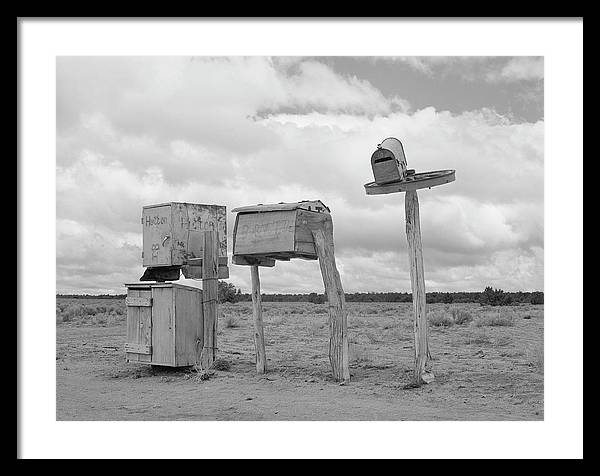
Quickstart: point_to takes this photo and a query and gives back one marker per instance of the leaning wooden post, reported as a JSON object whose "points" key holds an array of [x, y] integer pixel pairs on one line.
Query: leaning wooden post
{"points": [[422, 373], [259, 334], [210, 292], [338, 320]]}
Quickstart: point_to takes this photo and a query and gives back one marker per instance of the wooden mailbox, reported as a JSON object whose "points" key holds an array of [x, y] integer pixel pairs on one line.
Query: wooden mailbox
{"points": [[173, 237], [164, 324], [278, 231], [264, 234]]}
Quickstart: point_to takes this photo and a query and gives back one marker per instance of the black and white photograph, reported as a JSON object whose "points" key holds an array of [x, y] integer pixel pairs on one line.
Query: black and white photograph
{"points": [[266, 236]]}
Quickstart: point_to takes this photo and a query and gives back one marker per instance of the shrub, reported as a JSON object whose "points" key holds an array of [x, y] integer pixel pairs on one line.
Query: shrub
{"points": [[227, 292], [229, 321], [440, 319], [537, 297], [221, 364], [494, 297], [479, 339], [460, 316], [495, 319]]}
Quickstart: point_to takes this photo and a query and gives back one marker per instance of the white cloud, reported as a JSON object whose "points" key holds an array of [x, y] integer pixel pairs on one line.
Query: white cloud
{"points": [[473, 68], [239, 131], [519, 69]]}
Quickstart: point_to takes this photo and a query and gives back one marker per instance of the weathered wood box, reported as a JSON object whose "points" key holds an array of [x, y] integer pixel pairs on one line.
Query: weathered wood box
{"points": [[276, 231], [173, 232], [164, 323]]}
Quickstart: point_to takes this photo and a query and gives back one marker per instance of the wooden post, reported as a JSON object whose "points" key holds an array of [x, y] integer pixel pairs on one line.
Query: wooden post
{"points": [[210, 293], [422, 372], [259, 335], [338, 321]]}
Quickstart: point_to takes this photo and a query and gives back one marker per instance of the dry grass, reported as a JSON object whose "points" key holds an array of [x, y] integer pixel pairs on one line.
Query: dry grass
{"points": [[95, 312], [495, 319], [229, 321], [440, 319], [498, 361], [449, 317], [221, 364]]}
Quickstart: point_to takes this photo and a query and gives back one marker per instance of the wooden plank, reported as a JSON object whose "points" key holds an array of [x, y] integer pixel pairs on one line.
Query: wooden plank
{"points": [[265, 233], [138, 348], [133, 323], [163, 313], [195, 272], [304, 242], [259, 335], [180, 229], [156, 235], [422, 371], [139, 324], [188, 325], [198, 261], [417, 181], [313, 205], [210, 293], [253, 261], [138, 301], [322, 230], [206, 218]]}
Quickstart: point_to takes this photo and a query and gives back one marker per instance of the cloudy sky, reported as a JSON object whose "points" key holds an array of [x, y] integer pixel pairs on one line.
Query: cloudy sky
{"points": [[134, 131]]}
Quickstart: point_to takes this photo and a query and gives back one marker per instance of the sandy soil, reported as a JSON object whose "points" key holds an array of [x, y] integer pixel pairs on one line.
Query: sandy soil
{"points": [[482, 372]]}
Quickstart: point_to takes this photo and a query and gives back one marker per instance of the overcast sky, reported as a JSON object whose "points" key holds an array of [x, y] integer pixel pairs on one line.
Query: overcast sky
{"points": [[239, 131]]}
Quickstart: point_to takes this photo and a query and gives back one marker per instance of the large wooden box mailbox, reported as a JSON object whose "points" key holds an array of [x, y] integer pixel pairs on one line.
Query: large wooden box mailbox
{"points": [[173, 232], [164, 323], [276, 231]]}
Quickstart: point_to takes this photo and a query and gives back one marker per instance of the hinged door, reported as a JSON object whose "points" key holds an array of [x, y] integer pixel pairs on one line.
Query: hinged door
{"points": [[138, 347]]}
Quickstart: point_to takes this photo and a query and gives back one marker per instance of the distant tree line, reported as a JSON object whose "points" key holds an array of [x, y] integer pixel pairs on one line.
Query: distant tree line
{"points": [[489, 296]]}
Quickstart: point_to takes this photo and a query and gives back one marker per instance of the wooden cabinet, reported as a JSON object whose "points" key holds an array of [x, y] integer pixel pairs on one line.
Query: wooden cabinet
{"points": [[164, 323]]}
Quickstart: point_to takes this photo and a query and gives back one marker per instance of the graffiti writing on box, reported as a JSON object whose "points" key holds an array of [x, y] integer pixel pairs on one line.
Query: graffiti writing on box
{"points": [[155, 220], [270, 227]]}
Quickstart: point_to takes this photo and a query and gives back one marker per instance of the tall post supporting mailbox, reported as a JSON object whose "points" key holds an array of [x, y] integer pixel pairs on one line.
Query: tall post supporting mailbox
{"points": [[391, 176], [264, 234]]}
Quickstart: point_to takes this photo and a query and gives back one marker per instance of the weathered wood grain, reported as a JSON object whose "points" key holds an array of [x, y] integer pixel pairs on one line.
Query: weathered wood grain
{"points": [[210, 267], [188, 326], [138, 301], [139, 324], [422, 372], [259, 335], [322, 231], [138, 348], [173, 232], [163, 326], [262, 233], [253, 261]]}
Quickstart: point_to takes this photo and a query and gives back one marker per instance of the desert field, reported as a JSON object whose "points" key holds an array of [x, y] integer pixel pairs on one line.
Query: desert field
{"points": [[488, 363]]}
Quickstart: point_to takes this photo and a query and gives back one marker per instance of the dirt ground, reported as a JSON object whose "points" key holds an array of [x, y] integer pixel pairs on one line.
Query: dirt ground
{"points": [[485, 369]]}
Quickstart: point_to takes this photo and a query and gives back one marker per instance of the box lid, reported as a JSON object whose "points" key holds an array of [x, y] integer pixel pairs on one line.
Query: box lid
{"points": [[148, 285], [310, 205]]}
